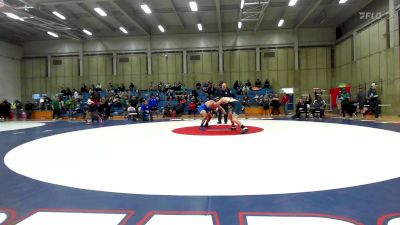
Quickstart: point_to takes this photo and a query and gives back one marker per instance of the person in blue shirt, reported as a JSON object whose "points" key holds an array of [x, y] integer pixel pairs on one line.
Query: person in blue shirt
{"points": [[153, 105], [145, 111]]}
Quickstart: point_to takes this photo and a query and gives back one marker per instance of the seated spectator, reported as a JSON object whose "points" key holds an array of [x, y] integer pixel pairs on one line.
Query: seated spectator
{"points": [[131, 86], [258, 83], [132, 113], [178, 110], [84, 89], [198, 85], [105, 109], [169, 96], [318, 105], [246, 100], [301, 107], [98, 87], [248, 84], [195, 94], [245, 88], [5, 110], [318, 92], [205, 86], [28, 108], [145, 111], [275, 105], [211, 90], [167, 110], [153, 105], [17, 109], [75, 94], [236, 85], [267, 85], [192, 108]]}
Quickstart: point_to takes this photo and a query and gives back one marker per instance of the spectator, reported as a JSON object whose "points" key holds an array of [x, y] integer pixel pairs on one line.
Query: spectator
{"points": [[248, 84], [84, 89], [17, 106], [93, 111], [265, 102], [246, 100], [275, 105], [258, 83], [70, 105], [373, 99], [318, 92], [76, 94], [145, 111], [56, 108], [167, 110], [68, 93], [198, 85], [192, 108], [131, 87], [153, 105], [285, 103], [98, 87], [210, 90], [267, 85], [301, 106], [28, 107], [318, 105], [5, 110], [345, 102], [236, 85], [178, 110]]}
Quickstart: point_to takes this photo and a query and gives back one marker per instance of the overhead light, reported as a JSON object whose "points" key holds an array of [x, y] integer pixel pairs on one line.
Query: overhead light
{"points": [[240, 24], [161, 28], [100, 11], [13, 16], [199, 26], [292, 2], [123, 30], [52, 34], [342, 1], [281, 22], [146, 8], [87, 32], [241, 4], [193, 6], [59, 15]]}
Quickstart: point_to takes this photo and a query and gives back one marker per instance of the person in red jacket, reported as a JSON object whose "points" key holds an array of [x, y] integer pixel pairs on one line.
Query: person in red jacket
{"points": [[285, 103], [192, 108]]}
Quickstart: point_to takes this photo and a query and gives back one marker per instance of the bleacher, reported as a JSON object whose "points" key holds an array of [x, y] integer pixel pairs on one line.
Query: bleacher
{"points": [[120, 111]]}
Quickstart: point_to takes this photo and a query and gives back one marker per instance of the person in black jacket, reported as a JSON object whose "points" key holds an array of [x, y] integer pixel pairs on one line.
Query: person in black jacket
{"points": [[373, 98], [223, 92]]}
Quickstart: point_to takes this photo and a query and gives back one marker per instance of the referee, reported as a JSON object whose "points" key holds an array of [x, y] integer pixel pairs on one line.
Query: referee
{"points": [[223, 91]]}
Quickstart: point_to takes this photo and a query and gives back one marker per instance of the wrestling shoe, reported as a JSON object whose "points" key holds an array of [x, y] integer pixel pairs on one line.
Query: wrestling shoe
{"points": [[202, 128], [233, 128], [244, 130]]}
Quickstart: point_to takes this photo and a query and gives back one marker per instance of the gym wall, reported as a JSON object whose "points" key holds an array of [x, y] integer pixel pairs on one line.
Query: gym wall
{"points": [[373, 61], [10, 71]]}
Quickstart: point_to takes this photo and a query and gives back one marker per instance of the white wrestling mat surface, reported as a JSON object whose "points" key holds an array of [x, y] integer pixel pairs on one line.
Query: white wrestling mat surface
{"points": [[287, 157]]}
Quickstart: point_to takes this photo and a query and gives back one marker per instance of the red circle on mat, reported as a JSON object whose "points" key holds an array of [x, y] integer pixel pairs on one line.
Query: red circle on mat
{"points": [[215, 130]]}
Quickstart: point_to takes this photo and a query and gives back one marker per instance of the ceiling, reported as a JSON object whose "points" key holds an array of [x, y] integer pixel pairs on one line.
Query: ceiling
{"points": [[175, 15]]}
